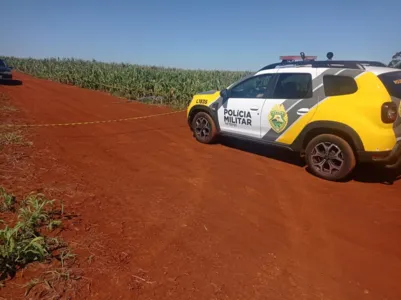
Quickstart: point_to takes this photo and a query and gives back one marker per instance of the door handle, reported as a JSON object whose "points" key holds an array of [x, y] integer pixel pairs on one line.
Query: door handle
{"points": [[302, 111], [254, 108]]}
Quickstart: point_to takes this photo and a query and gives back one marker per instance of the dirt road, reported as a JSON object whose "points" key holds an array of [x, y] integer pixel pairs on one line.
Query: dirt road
{"points": [[180, 220]]}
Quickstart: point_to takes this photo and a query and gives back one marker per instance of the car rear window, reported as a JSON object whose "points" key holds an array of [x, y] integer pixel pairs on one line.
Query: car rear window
{"points": [[337, 85], [392, 82]]}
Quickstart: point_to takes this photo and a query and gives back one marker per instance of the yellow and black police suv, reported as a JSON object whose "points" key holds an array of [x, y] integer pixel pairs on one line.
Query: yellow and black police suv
{"points": [[334, 113]]}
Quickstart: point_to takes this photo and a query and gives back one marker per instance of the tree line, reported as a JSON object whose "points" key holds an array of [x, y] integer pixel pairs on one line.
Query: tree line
{"points": [[395, 61]]}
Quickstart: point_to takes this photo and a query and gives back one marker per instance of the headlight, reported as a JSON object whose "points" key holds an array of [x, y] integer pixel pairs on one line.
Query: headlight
{"points": [[6, 73]]}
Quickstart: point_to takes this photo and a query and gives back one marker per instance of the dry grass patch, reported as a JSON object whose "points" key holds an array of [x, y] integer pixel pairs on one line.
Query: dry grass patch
{"points": [[13, 137], [8, 108], [9, 135]]}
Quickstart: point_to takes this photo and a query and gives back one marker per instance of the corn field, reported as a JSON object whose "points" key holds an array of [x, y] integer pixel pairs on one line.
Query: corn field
{"points": [[156, 85]]}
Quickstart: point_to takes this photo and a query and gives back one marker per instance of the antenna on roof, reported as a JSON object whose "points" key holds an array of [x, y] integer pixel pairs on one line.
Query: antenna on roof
{"points": [[329, 55]]}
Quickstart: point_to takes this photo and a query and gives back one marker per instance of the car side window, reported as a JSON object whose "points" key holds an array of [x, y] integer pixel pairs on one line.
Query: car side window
{"points": [[293, 86], [337, 85], [254, 87]]}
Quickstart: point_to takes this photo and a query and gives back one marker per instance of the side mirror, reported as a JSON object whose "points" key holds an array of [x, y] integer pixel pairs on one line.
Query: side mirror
{"points": [[10, 67], [224, 93]]}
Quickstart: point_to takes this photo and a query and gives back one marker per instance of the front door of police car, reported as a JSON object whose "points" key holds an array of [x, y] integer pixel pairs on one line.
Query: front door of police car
{"points": [[241, 112]]}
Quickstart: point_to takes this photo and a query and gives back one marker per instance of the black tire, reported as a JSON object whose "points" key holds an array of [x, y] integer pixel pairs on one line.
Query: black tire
{"points": [[204, 128], [330, 157]]}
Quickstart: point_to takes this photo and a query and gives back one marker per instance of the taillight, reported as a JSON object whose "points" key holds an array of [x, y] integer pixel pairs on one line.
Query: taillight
{"points": [[389, 112]]}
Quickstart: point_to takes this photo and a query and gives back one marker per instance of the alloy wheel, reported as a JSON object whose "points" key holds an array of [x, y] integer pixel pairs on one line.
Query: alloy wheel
{"points": [[202, 128], [327, 158]]}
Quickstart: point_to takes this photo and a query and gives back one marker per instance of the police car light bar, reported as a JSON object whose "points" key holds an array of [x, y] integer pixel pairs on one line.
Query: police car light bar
{"points": [[296, 57]]}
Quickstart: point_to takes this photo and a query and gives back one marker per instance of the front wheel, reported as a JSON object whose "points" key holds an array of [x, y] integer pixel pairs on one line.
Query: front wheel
{"points": [[330, 157], [204, 128]]}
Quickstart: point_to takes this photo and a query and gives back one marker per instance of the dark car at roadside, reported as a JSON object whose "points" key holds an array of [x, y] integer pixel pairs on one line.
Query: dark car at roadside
{"points": [[5, 71]]}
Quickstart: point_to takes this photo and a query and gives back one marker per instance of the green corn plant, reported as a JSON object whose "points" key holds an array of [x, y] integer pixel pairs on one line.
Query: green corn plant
{"points": [[7, 201], [54, 224], [131, 81], [23, 243], [18, 247], [34, 212]]}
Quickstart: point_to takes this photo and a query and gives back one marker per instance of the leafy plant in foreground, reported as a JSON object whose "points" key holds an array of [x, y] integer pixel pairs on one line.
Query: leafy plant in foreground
{"points": [[23, 243], [19, 247], [7, 201]]}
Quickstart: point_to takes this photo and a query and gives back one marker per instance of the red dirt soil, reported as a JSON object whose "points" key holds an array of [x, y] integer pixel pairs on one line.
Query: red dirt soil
{"points": [[165, 217]]}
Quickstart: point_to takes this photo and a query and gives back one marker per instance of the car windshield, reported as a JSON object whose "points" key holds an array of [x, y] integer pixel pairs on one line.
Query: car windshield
{"points": [[2, 63]]}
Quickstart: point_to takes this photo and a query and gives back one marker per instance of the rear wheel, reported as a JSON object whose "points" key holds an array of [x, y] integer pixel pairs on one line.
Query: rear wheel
{"points": [[204, 128], [330, 157]]}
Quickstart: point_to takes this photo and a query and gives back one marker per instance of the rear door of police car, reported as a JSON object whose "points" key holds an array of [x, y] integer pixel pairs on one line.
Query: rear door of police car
{"points": [[293, 99]]}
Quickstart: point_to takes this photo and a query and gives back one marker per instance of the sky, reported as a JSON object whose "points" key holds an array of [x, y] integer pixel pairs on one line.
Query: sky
{"points": [[207, 34]]}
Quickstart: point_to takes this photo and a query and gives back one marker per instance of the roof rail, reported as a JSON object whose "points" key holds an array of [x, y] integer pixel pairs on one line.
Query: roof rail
{"points": [[372, 63], [338, 64]]}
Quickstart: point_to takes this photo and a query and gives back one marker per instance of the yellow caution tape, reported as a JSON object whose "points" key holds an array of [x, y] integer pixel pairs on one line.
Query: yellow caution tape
{"points": [[91, 122]]}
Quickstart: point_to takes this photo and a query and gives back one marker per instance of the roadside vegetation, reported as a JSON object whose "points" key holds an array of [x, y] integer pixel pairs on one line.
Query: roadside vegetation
{"points": [[28, 235], [30, 226], [155, 85]]}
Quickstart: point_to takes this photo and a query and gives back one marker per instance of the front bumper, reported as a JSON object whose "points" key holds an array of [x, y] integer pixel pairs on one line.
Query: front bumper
{"points": [[390, 159]]}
